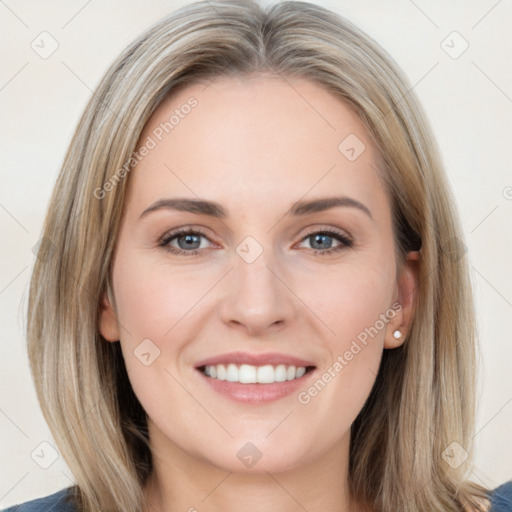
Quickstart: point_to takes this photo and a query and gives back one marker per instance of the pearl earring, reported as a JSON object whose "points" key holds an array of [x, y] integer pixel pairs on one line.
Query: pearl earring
{"points": [[397, 335]]}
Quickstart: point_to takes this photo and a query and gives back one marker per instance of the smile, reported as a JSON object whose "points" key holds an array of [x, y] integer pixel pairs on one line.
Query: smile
{"points": [[255, 378]]}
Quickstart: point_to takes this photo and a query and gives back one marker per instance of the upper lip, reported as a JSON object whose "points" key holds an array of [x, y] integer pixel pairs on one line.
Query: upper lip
{"points": [[238, 358]]}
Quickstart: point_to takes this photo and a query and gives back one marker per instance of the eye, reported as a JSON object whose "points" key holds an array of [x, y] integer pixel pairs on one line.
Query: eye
{"points": [[189, 242], [184, 241], [327, 241]]}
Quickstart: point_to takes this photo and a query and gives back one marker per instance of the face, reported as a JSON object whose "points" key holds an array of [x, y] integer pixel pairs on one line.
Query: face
{"points": [[251, 313]]}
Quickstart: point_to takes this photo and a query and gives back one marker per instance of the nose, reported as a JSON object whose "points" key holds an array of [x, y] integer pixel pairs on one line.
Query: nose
{"points": [[258, 299]]}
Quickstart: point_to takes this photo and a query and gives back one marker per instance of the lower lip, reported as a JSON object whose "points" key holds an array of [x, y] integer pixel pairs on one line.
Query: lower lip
{"points": [[256, 393]]}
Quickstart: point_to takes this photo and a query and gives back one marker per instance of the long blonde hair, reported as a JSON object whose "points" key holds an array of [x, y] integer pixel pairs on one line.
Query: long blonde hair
{"points": [[423, 400]]}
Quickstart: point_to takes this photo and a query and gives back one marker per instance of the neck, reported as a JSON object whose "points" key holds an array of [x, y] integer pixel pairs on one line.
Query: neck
{"points": [[181, 482]]}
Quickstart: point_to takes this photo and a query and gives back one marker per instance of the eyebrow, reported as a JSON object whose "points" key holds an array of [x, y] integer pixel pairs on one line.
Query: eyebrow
{"points": [[214, 209]]}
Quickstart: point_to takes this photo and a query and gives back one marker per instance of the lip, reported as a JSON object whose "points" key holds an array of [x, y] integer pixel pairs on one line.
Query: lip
{"points": [[273, 358], [256, 393]]}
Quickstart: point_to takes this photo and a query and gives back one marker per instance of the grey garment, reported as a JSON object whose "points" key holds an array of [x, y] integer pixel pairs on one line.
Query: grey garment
{"points": [[501, 499]]}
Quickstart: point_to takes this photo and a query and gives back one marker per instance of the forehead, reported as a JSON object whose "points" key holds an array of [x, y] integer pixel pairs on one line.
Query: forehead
{"points": [[253, 141]]}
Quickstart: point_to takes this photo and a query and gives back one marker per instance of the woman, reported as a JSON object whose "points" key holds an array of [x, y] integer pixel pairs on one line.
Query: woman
{"points": [[241, 300]]}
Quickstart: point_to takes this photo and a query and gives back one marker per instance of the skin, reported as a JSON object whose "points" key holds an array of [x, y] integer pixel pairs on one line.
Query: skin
{"points": [[256, 145]]}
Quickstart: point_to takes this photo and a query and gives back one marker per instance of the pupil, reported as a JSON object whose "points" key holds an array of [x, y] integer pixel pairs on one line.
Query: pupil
{"points": [[319, 238]]}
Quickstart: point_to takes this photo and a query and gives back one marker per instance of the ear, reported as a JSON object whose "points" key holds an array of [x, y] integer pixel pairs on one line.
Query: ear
{"points": [[109, 328], [407, 293]]}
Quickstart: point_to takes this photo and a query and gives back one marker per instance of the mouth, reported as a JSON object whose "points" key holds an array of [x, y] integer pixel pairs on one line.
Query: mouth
{"points": [[256, 379]]}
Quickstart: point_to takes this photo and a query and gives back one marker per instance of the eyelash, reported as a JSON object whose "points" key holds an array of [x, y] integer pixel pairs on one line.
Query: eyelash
{"points": [[346, 242]]}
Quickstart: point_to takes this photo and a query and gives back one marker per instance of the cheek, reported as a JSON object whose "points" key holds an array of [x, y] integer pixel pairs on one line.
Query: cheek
{"points": [[352, 301], [153, 306], [152, 298]]}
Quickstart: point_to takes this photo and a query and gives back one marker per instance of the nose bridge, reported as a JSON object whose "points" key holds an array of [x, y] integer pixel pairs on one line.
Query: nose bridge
{"points": [[257, 299]]}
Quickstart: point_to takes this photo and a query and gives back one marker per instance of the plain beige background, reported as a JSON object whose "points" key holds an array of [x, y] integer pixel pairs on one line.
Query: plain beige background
{"points": [[467, 94]]}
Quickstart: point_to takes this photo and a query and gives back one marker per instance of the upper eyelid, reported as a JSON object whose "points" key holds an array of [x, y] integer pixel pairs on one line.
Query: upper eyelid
{"points": [[169, 236], [327, 229]]}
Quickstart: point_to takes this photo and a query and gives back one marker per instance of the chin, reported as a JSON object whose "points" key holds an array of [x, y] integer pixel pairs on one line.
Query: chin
{"points": [[258, 455]]}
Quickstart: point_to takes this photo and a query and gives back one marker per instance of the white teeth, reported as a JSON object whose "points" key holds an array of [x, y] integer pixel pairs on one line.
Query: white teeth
{"points": [[232, 373], [221, 372], [266, 374], [280, 373], [291, 372], [249, 374]]}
